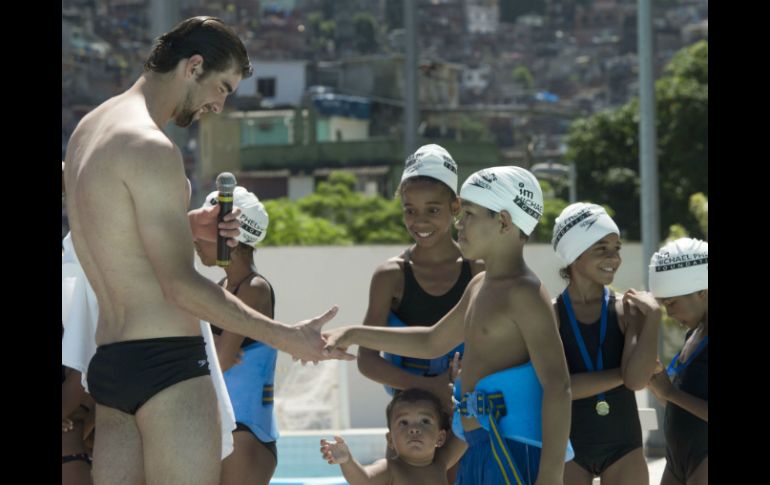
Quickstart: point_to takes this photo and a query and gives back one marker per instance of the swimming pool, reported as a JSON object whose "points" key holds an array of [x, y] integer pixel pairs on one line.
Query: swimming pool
{"points": [[300, 462]]}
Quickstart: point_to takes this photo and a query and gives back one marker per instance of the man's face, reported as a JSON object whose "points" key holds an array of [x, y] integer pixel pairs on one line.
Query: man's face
{"points": [[206, 93]]}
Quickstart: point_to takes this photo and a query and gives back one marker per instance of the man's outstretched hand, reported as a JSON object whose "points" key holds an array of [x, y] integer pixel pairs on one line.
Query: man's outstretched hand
{"points": [[308, 345]]}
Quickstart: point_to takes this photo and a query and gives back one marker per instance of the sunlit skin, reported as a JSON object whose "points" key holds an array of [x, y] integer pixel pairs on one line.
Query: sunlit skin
{"points": [[205, 94], [207, 251], [428, 211], [600, 262], [473, 224]]}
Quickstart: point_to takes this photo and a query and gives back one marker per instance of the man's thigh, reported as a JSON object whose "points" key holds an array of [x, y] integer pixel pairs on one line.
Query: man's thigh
{"points": [[117, 449], [181, 434]]}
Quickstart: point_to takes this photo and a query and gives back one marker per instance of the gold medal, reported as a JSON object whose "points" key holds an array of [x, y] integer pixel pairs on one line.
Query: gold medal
{"points": [[602, 408]]}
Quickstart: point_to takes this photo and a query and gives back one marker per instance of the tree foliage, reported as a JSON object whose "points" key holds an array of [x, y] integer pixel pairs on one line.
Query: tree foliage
{"points": [[605, 147], [335, 214]]}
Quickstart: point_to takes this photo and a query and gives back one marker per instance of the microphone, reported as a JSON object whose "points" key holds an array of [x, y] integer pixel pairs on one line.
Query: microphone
{"points": [[225, 186]]}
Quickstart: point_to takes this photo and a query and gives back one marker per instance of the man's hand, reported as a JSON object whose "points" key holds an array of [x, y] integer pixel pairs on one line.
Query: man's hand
{"points": [[308, 345], [203, 223], [66, 425], [335, 453]]}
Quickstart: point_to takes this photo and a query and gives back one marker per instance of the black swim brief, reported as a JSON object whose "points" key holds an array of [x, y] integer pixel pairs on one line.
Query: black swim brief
{"points": [[125, 375]]}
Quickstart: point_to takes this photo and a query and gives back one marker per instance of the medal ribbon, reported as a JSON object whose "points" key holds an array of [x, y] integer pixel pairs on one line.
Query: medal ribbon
{"points": [[579, 337], [675, 367]]}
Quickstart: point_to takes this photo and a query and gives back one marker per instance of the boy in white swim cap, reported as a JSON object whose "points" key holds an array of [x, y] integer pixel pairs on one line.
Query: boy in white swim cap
{"points": [[514, 369]]}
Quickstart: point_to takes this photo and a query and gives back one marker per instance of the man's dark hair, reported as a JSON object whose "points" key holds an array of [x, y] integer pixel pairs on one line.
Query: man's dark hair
{"points": [[209, 37], [416, 395]]}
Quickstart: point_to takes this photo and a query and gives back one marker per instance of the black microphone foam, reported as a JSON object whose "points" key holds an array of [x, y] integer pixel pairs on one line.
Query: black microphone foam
{"points": [[225, 186]]}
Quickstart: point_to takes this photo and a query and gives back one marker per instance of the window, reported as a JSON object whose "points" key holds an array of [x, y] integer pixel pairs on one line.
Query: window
{"points": [[266, 87]]}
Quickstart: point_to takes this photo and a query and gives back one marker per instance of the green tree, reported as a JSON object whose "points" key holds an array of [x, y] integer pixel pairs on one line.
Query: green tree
{"points": [[605, 147], [544, 229], [322, 30], [335, 214], [365, 28], [289, 226], [523, 76], [367, 219], [699, 208]]}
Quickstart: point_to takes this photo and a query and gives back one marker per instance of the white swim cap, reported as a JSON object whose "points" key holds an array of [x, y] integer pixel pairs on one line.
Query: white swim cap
{"points": [[432, 161], [507, 188], [253, 218], [679, 268], [578, 227]]}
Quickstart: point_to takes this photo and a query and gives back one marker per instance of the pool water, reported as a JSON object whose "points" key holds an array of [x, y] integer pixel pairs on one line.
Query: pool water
{"points": [[300, 461]]}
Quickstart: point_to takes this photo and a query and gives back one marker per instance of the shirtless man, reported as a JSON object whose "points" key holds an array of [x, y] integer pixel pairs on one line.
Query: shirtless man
{"points": [[127, 198]]}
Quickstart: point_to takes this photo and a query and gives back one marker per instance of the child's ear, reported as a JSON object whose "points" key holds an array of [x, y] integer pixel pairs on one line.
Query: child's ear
{"points": [[441, 438], [454, 205], [389, 440], [506, 223]]}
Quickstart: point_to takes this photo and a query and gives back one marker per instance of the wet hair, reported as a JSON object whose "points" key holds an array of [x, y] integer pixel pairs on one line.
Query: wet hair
{"points": [[416, 395], [565, 273], [208, 37], [424, 178]]}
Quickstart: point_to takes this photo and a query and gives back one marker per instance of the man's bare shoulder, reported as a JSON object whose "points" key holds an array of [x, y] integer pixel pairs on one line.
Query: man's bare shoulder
{"points": [[147, 145]]}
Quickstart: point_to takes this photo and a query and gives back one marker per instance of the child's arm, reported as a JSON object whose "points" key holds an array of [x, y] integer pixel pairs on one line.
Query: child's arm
{"points": [[587, 384], [420, 342], [72, 393], [452, 451], [255, 294], [338, 453], [642, 313], [370, 363], [536, 320], [661, 387]]}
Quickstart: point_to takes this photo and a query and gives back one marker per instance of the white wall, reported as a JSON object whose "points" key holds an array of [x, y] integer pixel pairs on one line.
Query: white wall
{"points": [[300, 186], [289, 80], [482, 19], [351, 129], [309, 280]]}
